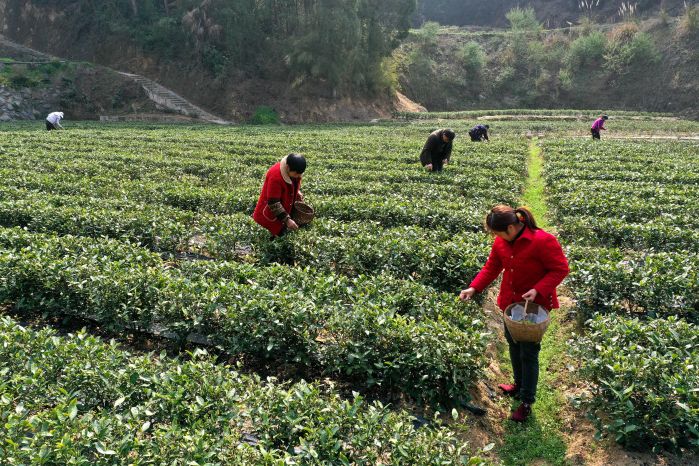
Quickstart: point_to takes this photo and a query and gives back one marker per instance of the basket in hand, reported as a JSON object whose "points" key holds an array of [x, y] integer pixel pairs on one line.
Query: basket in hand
{"points": [[302, 213], [524, 331]]}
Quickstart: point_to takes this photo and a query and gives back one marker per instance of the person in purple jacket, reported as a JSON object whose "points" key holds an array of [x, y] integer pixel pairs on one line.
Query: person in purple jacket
{"points": [[598, 126]]}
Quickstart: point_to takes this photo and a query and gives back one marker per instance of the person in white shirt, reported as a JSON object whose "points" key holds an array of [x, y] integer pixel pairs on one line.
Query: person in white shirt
{"points": [[53, 121]]}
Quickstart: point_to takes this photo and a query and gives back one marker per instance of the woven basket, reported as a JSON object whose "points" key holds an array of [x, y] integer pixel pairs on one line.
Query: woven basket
{"points": [[526, 333], [302, 213]]}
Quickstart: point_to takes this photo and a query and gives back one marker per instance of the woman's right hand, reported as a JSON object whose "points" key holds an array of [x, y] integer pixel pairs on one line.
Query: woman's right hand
{"points": [[291, 225], [467, 294]]}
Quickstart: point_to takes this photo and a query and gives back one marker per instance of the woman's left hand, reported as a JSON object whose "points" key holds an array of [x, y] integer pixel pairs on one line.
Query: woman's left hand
{"points": [[530, 295]]}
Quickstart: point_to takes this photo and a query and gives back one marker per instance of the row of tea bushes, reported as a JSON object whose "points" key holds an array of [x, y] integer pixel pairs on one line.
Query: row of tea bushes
{"points": [[338, 325], [77, 400], [630, 211]]}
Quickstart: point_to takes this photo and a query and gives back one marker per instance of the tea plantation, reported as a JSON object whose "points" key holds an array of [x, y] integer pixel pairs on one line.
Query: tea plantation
{"points": [[629, 211], [147, 229]]}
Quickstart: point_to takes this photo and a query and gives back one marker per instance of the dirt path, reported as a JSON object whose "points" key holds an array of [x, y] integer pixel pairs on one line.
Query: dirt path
{"points": [[648, 137], [581, 117]]}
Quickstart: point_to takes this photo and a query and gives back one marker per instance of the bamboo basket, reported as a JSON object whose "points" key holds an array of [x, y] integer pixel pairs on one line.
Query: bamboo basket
{"points": [[302, 213], [526, 332]]}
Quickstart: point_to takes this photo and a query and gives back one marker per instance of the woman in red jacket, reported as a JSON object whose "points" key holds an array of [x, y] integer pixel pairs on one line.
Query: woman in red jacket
{"points": [[534, 266], [279, 192]]}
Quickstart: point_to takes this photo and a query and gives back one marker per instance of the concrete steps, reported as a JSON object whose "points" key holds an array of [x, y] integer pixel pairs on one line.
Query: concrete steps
{"points": [[172, 101]]}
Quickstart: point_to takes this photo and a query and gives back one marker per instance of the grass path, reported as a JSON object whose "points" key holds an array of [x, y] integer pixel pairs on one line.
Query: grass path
{"points": [[539, 440]]}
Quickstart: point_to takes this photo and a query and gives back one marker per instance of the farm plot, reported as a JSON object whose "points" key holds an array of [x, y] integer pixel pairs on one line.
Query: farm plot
{"points": [[105, 224], [629, 212]]}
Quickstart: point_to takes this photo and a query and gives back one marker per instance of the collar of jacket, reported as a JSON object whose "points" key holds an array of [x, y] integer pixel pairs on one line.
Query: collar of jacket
{"points": [[285, 171], [527, 234]]}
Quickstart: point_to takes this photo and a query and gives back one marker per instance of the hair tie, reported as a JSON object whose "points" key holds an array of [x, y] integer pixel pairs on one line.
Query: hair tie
{"points": [[520, 217]]}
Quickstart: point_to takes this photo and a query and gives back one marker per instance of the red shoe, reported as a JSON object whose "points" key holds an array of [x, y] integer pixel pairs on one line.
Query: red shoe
{"points": [[509, 389], [522, 413]]}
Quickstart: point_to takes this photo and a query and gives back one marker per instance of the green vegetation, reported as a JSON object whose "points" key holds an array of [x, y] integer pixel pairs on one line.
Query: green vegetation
{"points": [[647, 210], [337, 46], [151, 190], [147, 228], [644, 380], [635, 282], [539, 438], [534, 192], [265, 116], [525, 66], [19, 75], [523, 19], [77, 400]]}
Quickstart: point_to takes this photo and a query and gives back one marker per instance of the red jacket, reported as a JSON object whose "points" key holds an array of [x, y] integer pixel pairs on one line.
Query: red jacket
{"points": [[276, 186], [534, 260]]}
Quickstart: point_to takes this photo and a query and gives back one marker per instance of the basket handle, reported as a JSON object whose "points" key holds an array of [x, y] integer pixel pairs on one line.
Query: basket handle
{"points": [[526, 305]]}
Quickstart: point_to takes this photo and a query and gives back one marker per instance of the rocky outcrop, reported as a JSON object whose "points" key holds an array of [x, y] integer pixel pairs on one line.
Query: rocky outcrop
{"points": [[19, 104]]}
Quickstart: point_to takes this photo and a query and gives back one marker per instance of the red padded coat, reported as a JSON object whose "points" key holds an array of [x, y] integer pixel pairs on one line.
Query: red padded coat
{"points": [[534, 260], [276, 186]]}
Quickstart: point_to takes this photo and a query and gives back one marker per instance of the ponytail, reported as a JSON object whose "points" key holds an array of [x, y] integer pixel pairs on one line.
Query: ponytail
{"points": [[502, 216], [524, 215]]}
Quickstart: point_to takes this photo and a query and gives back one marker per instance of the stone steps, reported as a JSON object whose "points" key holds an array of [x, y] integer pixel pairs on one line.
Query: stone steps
{"points": [[172, 101]]}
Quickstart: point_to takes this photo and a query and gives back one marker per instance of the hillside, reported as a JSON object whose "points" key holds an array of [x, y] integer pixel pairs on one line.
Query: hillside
{"points": [[645, 65], [229, 58], [307, 62], [551, 13]]}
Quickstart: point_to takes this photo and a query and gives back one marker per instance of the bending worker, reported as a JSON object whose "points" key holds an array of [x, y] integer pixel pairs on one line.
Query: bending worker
{"points": [[437, 150], [479, 133], [279, 193]]}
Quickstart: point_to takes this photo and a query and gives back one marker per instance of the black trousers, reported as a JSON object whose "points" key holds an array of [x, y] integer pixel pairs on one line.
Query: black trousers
{"points": [[525, 365], [49, 126], [437, 162], [595, 134]]}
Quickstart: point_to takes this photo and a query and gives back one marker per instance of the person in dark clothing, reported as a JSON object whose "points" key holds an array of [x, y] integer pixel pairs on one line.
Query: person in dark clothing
{"points": [[479, 133], [437, 150]]}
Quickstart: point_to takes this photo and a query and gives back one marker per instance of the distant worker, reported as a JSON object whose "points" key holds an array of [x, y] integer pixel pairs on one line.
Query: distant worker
{"points": [[53, 121], [598, 126], [479, 133], [437, 150], [279, 193]]}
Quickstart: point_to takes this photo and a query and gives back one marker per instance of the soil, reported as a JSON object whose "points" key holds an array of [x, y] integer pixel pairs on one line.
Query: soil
{"points": [[404, 104]]}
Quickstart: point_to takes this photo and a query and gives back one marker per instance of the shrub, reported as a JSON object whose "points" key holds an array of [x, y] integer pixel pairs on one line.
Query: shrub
{"points": [[77, 400], [472, 59], [644, 380], [265, 115], [586, 52], [565, 77], [22, 79], [427, 35], [628, 53], [523, 19], [689, 24]]}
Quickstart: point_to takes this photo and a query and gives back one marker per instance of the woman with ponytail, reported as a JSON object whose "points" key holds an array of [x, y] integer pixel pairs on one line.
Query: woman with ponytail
{"points": [[534, 266]]}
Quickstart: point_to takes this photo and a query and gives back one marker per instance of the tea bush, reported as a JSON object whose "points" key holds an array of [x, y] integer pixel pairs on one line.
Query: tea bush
{"points": [[77, 400], [644, 380]]}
